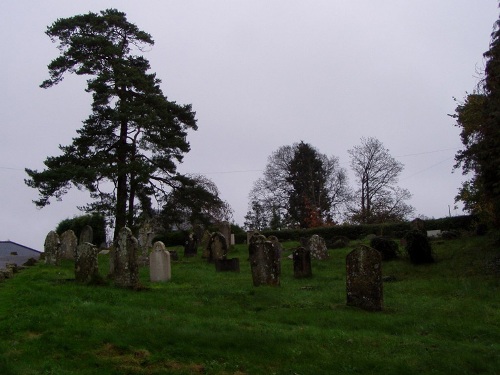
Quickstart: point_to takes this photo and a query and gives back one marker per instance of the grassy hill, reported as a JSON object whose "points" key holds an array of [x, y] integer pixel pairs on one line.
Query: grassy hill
{"points": [[442, 318]]}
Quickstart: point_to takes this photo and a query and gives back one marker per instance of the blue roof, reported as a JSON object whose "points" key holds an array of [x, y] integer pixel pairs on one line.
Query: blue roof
{"points": [[11, 252]]}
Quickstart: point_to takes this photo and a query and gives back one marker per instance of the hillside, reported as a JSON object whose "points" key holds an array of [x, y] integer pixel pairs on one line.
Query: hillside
{"points": [[442, 318]]}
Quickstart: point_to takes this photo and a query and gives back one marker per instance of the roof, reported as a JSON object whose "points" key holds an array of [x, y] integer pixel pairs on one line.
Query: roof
{"points": [[11, 252]]}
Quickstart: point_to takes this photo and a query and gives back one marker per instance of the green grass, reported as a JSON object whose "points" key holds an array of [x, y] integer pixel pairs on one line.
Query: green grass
{"points": [[442, 318]]}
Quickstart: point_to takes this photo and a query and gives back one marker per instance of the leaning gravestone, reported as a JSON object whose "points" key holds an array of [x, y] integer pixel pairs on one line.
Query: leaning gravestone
{"points": [[364, 278], [86, 264], [51, 248], [69, 242], [125, 264], [317, 246], [265, 261], [86, 235], [301, 263], [159, 263]]}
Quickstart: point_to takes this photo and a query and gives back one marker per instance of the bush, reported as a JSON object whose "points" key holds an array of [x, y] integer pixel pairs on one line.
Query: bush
{"points": [[388, 248], [418, 247], [76, 224]]}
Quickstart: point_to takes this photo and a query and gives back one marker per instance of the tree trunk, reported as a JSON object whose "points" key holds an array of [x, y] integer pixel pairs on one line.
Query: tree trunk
{"points": [[121, 188]]}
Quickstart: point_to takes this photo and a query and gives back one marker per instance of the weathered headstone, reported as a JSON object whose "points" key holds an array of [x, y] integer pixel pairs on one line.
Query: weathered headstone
{"points": [[224, 265], [316, 245], [418, 224], [159, 263], [51, 248], [86, 235], [265, 261], [217, 246], [126, 267], [145, 238], [86, 264], [205, 243], [225, 228], [233, 239], [364, 278], [250, 233], [276, 243], [69, 241], [191, 246], [302, 263]]}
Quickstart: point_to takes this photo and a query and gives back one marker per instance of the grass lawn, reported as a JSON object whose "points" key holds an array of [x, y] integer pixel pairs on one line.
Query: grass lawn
{"points": [[442, 318]]}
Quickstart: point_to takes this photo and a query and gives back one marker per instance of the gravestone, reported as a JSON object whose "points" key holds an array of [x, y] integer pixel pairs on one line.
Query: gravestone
{"points": [[301, 263], [51, 248], [217, 247], [317, 246], [126, 267], [204, 243], [364, 278], [265, 261], [418, 224], [191, 246], [276, 243], [233, 239], [86, 264], [159, 263], [225, 228], [145, 238], [224, 265], [250, 233], [69, 242], [86, 235]]}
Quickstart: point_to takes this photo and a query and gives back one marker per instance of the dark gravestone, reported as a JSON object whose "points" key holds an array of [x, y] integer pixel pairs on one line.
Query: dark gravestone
{"points": [[418, 225], [126, 266], [364, 278], [205, 243], [174, 255], [191, 246], [224, 265], [302, 263], [217, 247], [86, 264], [265, 261]]}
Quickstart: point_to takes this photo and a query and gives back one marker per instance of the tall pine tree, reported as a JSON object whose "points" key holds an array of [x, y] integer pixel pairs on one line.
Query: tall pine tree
{"points": [[134, 135]]}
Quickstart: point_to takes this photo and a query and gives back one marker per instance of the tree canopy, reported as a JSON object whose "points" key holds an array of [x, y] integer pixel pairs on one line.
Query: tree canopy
{"points": [[378, 197], [479, 119], [126, 152], [300, 187]]}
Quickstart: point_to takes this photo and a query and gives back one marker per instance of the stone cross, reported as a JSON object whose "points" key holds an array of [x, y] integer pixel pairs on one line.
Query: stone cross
{"points": [[69, 242], [51, 248], [364, 278], [302, 263], [265, 261], [125, 264], [159, 263]]}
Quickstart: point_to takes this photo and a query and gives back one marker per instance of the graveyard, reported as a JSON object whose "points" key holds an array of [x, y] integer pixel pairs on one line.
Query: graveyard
{"points": [[436, 318]]}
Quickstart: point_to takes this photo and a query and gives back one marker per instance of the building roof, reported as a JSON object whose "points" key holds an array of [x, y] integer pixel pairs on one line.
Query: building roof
{"points": [[11, 252]]}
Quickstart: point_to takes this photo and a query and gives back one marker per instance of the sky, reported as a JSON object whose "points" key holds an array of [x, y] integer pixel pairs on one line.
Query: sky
{"points": [[260, 75]]}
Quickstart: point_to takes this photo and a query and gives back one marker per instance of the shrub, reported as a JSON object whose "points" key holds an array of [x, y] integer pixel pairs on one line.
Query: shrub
{"points": [[76, 224], [418, 247], [388, 248]]}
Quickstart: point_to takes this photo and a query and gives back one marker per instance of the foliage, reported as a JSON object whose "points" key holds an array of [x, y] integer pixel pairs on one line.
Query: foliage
{"points": [[387, 247], [380, 200], [438, 319], [300, 187], [127, 149], [418, 247], [194, 199], [76, 224], [478, 117]]}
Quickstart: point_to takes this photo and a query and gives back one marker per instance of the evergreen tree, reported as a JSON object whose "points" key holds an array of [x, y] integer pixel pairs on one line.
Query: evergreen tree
{"points": [[134, 135]]}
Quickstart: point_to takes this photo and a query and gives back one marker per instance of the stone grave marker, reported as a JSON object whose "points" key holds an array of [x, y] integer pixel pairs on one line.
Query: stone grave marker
{"points": [[276, 243], [159, 263], [86, 235], [69, 241], [265, 261], [364, 278], [205, 243], [225, 228], [218, 247], [126, 267], [86, 264], [317, 246], [51, 248], [301, 263], [191, 246], [250, 233], [418, 224]]}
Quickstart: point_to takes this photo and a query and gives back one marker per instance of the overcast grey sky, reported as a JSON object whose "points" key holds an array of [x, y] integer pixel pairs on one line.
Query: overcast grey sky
{"points": [[260, 75]]}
